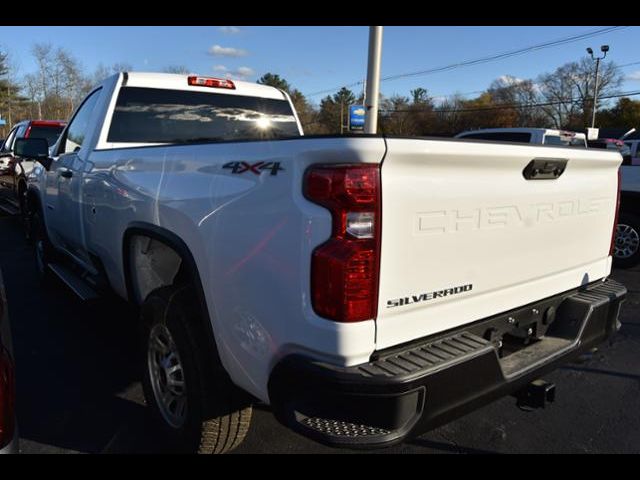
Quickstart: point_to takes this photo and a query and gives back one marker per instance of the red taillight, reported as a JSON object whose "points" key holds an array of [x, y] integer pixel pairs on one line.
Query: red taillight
{"points": [[211, 82], [615, 218], [7, 398], [344, 270]]}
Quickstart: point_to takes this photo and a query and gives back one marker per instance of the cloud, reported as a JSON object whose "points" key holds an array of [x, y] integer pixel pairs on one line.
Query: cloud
{"points": [[240, 73], [509, 79], [633, 76], [229, 30], [245, 71], [219, 51]]}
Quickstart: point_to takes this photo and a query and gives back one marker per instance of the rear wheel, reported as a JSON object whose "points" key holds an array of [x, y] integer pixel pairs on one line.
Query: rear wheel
{"points": [[626, 249], [192, 398]]}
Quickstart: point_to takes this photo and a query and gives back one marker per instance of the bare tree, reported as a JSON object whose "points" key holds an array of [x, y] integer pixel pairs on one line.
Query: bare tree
{"points": [[71, 79], [31, 84], [42, 55], [569, 91], [103, 72], [397, 118], [522, 96]]}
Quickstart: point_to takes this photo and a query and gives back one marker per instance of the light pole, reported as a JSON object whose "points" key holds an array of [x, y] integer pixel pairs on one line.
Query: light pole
{"points": [[373, 80], [604, 49]]}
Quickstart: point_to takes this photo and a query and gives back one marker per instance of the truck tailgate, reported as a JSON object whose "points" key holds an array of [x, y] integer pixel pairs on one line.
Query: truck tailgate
{"points": [[466, 236]]}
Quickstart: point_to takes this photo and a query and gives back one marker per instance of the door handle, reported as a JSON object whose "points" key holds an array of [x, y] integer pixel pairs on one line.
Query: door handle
{"points": [[66, 173], [545, 168]]}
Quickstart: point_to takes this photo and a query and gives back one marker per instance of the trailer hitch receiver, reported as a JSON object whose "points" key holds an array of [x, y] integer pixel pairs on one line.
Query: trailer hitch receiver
{"points": [[538, 394]]}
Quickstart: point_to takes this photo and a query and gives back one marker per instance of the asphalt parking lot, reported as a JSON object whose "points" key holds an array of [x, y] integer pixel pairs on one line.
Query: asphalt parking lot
{"points": [[79, 391]]}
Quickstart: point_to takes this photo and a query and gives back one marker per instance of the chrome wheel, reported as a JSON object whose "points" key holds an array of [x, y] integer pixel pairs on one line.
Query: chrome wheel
{"points": [[167, 376], [627, 241]]}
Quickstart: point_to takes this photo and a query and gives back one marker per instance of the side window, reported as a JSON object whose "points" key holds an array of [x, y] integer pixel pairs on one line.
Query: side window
{"points": [[21, 131], [552, 140], [77, 130], [8, 143]]}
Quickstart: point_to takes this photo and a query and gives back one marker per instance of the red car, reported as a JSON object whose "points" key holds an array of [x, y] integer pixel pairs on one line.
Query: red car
{"points": [[13, 170]]}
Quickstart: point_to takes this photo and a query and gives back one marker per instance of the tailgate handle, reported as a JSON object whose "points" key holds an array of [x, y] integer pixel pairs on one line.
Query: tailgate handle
{"points": [[544, 168]]}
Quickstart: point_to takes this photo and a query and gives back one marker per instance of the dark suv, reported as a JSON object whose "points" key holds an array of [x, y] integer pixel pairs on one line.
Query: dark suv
{"points": [[13, 170]]}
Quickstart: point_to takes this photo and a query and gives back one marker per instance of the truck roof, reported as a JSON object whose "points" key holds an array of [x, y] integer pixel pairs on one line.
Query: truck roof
{"points": [[172, 81]]}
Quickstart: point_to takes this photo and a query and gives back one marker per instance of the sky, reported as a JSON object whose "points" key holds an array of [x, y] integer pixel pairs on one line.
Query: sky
{"points": [[314, 59]]}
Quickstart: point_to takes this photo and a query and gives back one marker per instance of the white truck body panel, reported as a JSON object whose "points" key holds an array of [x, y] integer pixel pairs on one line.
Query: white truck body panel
{"points": [[252, 236], [456, 214]]}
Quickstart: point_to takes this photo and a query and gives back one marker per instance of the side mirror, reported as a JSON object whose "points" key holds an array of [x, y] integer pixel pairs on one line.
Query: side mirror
{"points": [[33, 148]]}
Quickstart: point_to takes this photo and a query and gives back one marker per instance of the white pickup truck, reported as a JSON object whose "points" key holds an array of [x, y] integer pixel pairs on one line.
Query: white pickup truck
{"points": [[368, 288]]}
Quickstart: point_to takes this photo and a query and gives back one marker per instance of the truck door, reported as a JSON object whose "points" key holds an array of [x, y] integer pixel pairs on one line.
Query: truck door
{"points": [[64, 182]]}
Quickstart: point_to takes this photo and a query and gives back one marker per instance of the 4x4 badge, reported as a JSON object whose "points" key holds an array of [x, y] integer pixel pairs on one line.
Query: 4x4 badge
{"points": [[257, 168]]}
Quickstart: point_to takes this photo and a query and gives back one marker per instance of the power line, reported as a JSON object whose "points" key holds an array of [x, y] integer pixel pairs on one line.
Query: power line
{"points": [[490, 58], [628, 64], [512, 53], [510, 106], [476, 92]]}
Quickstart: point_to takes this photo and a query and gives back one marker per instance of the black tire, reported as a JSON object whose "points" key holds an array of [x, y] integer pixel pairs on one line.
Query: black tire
{"points": [[626, 252], [43, 249], [217, 414]]}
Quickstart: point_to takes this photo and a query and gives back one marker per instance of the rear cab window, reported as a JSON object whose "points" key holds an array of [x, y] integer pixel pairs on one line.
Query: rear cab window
{"points": [[159, 116], [49, 132], [518, 137], [564, 140]]}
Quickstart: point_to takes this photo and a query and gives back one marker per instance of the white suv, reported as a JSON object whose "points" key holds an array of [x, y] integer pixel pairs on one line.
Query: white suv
{"points": [[538, 136]]}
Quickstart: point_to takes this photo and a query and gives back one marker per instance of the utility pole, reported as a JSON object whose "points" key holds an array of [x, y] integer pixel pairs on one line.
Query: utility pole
{"points": [[604, 49], [373, 80]]}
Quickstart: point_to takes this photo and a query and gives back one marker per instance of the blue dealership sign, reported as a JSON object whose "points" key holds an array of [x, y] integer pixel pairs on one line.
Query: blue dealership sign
{"points": [[356, 117]]}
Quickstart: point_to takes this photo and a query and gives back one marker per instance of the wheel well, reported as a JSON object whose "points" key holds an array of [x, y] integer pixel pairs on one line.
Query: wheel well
{"points": [[153, 264], [171, 262]]}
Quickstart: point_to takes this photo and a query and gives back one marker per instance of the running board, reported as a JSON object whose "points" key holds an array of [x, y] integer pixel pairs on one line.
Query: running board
{"points": [[9, 207], [74, 282]]}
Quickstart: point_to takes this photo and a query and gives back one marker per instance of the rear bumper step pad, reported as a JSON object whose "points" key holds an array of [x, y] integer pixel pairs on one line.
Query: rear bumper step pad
{"points": [[411, 389]]}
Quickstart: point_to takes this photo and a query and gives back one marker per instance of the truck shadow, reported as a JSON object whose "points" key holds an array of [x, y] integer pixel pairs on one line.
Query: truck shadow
{"points": [[75, 363], [448, 447]]}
